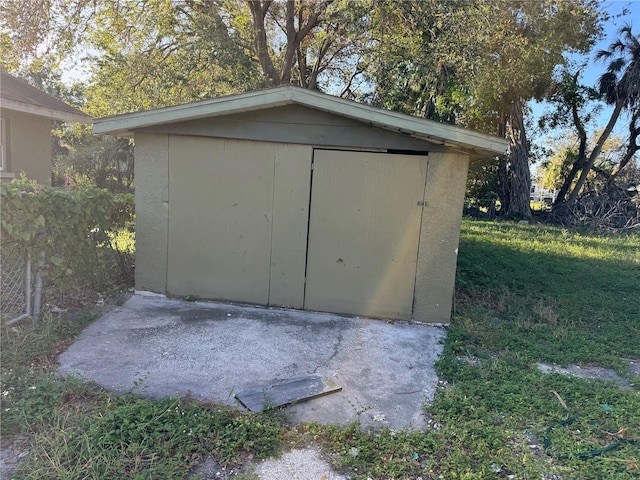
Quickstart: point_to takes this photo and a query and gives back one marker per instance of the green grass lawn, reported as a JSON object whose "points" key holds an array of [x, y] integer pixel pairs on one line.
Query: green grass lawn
{"points": [[525, 294]]}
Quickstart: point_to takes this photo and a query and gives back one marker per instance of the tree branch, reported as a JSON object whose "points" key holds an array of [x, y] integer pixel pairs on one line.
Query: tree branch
{"points": [[573, 196]]}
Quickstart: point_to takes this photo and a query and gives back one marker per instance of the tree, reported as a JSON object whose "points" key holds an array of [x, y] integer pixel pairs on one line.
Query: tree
{"points": [[155, 53], [477, 63], [557, 170], [620, 86], [83, 159], [554, 170], [152, 53], [632, 144], [570, 99], [299, 41], [517, 47], [38, 35]]}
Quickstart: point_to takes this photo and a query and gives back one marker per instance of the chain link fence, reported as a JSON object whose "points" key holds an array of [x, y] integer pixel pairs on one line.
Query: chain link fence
{"points": [[15, 283]]}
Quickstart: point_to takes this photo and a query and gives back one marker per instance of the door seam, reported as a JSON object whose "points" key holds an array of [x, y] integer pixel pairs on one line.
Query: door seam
{"points": [[306, 255], [168, 249], [415, 276]]}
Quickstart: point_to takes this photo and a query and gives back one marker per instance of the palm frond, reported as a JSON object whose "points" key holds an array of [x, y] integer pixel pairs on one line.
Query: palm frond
{"points": [[603, 55]]}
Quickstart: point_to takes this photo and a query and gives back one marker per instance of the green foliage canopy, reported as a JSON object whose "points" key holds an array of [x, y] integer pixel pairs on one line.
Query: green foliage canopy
{"points": [[66, 224]]}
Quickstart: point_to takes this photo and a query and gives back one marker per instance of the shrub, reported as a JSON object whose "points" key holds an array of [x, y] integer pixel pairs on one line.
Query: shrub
{"points": [[80, 237]]}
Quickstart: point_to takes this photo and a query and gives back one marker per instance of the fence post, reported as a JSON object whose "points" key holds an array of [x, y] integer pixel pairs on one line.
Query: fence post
{"points": [[27, 281], [38, 295]]}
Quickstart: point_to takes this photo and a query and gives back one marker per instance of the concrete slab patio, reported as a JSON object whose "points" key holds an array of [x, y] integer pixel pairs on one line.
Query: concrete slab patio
{"points": [[166, 347]]}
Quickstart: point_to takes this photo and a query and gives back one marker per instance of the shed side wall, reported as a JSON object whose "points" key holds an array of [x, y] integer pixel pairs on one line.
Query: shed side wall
{"points": [[152, 211], [439, 235]]}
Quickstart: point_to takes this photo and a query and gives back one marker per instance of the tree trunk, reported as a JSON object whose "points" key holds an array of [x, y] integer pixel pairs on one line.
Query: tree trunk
{"points": [[573, 196], [294, 37], [292, 43], [503, 186], [258, 13], [503, 168], [519, 176]]}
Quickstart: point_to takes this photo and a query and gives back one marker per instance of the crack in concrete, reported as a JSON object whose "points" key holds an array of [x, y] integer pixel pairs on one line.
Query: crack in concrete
{"points": [[336, 350]]}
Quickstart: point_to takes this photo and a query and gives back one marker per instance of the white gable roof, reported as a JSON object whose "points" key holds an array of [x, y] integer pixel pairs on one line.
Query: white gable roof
{"points": [[428, 130]]}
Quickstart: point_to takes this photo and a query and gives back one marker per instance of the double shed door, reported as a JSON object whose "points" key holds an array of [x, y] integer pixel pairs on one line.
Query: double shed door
{"points": [[286, 225]]}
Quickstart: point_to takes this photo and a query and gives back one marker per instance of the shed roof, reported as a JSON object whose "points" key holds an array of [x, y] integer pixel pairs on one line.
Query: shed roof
{"points": [[18, 95], [478, 144]]}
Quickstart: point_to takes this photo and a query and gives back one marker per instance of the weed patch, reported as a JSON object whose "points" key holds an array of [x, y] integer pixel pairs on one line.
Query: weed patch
{"points": [[525, 294], [131, 437]]}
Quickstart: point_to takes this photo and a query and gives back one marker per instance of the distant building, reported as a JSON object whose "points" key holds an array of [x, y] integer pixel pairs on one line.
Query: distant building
{"points": [[542, 194]]}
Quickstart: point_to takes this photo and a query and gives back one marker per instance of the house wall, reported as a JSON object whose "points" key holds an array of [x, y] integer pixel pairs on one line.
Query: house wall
{"points": [[28, 145]]}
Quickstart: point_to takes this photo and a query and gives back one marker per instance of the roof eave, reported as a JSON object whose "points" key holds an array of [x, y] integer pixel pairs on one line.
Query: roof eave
{"points": [[424, 129], [125, 124], [428, 130], [47, 112]]}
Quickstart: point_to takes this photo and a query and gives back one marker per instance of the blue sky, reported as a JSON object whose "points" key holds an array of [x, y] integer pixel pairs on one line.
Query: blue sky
{"points": [[621, 12]]}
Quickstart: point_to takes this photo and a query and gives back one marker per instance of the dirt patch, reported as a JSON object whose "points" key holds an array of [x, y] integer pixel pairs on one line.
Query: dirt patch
{"points": [[594, 373], [299, 464]]}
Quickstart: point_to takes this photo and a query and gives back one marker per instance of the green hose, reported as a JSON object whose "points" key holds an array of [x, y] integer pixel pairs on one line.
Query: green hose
{"points": [[546, 443]]}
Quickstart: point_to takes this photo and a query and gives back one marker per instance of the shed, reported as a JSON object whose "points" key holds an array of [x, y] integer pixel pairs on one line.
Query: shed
{"points": [[291, 197]]}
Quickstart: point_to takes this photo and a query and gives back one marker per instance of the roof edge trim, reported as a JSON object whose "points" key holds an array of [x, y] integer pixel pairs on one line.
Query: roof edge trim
{"points": [[285, 95], [46, 112]]}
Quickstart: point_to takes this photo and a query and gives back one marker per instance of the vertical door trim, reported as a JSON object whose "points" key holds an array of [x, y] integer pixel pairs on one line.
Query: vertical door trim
{"points": [[273, 196]]}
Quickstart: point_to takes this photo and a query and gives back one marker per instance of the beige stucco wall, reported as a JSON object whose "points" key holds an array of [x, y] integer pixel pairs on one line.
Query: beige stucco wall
{"points": [[28, 146], [238, 220], [152, 211], [253, 247], [439, 235]]}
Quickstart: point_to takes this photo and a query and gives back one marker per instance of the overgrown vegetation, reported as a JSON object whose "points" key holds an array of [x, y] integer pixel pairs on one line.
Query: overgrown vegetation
{"points": [[526, 293], [82, 236]]}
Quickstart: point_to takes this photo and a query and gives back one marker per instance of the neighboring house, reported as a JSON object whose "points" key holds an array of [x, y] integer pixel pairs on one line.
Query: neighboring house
{"points": [[290, 197], [26, 116]]}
